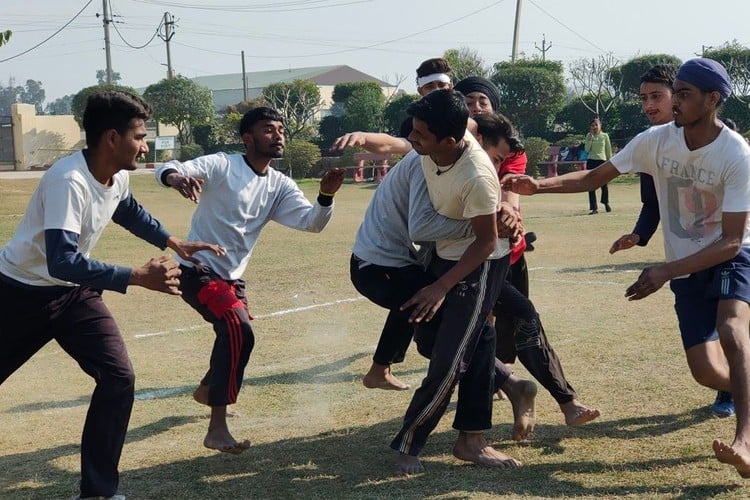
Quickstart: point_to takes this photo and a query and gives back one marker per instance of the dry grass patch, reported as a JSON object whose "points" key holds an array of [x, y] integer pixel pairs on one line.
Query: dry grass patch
{"points": [[317, 433]]}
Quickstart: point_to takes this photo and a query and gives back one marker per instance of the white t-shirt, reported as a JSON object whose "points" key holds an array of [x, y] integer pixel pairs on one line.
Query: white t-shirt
{"points": [[694, 187], [68, 197], [468, 189], [236, 203]]}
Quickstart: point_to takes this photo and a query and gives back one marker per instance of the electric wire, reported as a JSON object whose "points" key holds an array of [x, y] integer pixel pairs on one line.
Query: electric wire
{"points": [[49, 37], [114, 25]]}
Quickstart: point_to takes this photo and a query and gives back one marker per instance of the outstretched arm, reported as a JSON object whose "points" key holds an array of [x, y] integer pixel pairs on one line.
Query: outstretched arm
{"points": [[65, 262], [374, 142], [574, 182]]}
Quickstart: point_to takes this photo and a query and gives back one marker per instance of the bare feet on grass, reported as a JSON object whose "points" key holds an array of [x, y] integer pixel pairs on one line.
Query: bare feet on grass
{"points": [[408, 464], [200, 394], [736, 455], [473, 447], [218, 436], [577, 413], [380, 377], [522, 394]]}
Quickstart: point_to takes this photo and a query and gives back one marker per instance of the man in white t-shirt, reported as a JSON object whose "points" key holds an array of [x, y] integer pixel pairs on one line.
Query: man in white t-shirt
{"points": [[51, 288], [701, 171], [237, 195]]}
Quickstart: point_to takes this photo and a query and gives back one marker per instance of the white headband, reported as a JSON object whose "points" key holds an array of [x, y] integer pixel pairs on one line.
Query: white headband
{"points": [[435, 77]]}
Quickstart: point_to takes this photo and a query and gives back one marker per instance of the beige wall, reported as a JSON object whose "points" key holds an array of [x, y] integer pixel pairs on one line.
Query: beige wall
{"points": [[40, 140]]}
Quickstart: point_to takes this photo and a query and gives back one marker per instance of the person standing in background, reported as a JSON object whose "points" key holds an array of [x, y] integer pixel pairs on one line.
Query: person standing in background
{"points": [[599, 150]]}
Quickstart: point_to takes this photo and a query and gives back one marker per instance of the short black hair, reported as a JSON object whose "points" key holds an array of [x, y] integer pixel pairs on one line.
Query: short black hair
{"points": [[258, 114], [432, 66], [112, 109], [661, 73], [495, 126], [444, 112]]}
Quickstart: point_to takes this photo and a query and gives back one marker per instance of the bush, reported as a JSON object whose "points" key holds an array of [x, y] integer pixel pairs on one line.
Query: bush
{"points": [[536, 151], [301, 157], [190, 151]]}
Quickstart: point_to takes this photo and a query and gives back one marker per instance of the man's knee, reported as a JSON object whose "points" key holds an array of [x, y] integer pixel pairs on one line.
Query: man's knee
{"points": [[527, 334], [119, 382], [733, 335], [707, 365]]}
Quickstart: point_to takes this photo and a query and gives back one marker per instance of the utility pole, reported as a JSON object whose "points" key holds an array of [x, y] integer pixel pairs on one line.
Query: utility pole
{"points": [[244, 78], [516, 27], [168, 24], [106, 20], [544, 48]]}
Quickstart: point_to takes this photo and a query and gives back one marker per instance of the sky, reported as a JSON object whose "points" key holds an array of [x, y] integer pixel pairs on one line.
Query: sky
{"points": [[386, 39]]}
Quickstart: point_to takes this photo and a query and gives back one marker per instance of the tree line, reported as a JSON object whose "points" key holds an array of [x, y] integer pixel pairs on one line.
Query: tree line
{"points": [[546, 106]]}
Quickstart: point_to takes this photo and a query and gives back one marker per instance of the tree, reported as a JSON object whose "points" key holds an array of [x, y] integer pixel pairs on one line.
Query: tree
{"points": [[31, 93], [60, 106], [736, 59], [300, 157], [101, 77], [329, 129], [394, 113], [362, 104], [5, 37], [364, 109], [78, 105], [181, 102], [532, 92], [600, 78], [464, 62], [632, 70], [298, 102]]}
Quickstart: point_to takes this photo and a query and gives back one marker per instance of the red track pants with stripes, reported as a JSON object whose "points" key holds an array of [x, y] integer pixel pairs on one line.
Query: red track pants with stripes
{"points": [[223, 304]]}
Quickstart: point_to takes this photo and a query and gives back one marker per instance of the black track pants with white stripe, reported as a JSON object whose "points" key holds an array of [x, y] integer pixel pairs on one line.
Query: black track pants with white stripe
{"points": [[461, 347]]}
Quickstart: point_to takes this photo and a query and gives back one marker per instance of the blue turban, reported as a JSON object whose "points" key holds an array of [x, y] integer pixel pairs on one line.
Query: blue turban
{"points": [[706, 74]]}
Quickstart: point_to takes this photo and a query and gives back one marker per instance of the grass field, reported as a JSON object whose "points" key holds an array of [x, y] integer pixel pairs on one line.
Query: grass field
{"points": [[317, 433]]}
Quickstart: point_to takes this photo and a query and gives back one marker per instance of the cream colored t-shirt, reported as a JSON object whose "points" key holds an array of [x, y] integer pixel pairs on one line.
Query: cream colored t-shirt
{"points": [[468, 189]]}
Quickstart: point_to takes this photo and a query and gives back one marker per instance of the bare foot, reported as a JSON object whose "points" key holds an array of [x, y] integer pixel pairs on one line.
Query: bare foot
{"points": [[407, 464], [226, 445], [473, 447], [521, 394], [738, 457], [576, 413], [380, 377], [200, 394], [218, 436]]}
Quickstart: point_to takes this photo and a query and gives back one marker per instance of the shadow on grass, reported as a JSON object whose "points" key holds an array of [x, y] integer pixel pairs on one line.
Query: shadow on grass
{"points": [[357, 463], [19, 470], [549, 437]]}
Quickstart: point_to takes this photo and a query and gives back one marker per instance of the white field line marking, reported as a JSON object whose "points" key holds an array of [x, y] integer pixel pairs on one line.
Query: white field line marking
{"points": [[260, 316], [579, 282]]}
